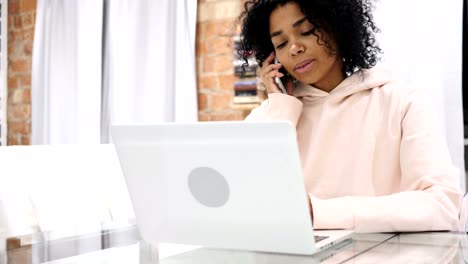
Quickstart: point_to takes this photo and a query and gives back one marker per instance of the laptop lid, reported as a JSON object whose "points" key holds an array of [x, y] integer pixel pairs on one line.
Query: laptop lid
{"points": [[232, 184]]}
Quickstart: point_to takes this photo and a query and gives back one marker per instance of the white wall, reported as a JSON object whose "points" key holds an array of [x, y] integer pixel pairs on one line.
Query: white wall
{"points": [[422, 43]]}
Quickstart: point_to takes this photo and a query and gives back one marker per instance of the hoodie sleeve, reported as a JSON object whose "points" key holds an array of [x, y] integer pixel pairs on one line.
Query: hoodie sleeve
{"points": [[429, 197], [277, 107]]}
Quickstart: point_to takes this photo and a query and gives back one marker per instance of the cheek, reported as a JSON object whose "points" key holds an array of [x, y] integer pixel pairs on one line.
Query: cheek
{"points": [[286, 62], [289, 69], [333, 61]]}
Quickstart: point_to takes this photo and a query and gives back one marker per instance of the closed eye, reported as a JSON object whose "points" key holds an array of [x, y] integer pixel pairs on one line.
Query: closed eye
{"points": [[281, 45], [310, 32]]}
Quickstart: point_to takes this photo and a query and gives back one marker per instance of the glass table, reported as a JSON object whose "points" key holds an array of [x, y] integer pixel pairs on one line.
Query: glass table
{"points": [[124, 246]]}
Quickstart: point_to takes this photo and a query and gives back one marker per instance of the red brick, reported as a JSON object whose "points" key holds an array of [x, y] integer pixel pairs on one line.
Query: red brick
{"points": [[226, 82], [224, 63], [28, 20], [25, 80], [19, 128], [20, 96], [19, 111], [13, 83], [26, 139], [28, 48], [20, 46], [16, 52], [10, 20], [218, 63], [28, 5], [13, 7], [11, 39], [219, 28], [203, 101], [18, 139], [200, 31], [27, 96], [199, 65], [210, 28], [220, 101], [200, 48], [207, 82], [231, 116], [17, 22], [14, 37], [28, 34], [16, 96], [226, 28], [204, 117], [20, 66], [11, 48], [217, 45], [209, 64], [11, 140]]}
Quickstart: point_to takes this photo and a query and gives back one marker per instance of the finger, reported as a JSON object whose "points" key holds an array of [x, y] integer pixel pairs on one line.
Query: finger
{"points": [[272, 75], [270, 58], [272, 86], [269, 68]]}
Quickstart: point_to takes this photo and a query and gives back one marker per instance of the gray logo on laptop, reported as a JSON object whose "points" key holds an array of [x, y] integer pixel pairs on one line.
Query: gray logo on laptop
{"points": [[208, 187]]}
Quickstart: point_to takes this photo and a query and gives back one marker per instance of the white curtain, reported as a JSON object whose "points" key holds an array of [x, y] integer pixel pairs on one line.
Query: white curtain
{"points": [[102, 62], [66, 72], [149, 74], [422, 44]]}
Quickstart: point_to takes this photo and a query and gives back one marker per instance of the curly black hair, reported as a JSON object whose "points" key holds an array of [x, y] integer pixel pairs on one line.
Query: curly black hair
{"points": [[348, 23]]}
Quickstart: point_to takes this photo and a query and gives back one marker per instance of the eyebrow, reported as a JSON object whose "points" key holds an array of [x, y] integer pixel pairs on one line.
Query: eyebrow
{"points": [[295, 24]]}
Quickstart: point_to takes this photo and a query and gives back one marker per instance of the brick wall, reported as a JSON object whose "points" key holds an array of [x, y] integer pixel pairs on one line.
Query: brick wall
{"points": [[21, 19], [214, 54]]}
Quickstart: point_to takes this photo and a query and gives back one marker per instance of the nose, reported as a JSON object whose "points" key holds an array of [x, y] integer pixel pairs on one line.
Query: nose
{"points": [[296, 49]]}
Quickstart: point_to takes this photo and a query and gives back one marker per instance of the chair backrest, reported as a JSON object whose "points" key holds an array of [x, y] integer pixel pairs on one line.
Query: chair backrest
{"points": [[464, 214], [70, 187]]}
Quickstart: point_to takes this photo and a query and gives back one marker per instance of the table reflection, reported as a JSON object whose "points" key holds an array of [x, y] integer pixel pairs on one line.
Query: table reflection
{"points": [[430, 247]]}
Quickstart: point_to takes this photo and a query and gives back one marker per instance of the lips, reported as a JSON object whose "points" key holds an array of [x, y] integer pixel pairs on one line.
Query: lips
{"points": [[304, 66]]}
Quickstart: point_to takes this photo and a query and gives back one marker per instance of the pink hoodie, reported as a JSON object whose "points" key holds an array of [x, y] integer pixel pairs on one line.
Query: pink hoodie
{"points": [[372, 157]]}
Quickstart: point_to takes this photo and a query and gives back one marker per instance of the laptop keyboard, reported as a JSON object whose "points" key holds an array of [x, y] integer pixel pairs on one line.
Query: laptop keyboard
{"points": [[320, 238]]}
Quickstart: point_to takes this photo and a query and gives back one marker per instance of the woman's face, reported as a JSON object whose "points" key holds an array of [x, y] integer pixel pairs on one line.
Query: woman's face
{"points": [[298, 50]]}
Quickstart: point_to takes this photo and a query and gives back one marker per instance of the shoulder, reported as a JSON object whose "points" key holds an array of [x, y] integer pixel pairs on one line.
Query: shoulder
{"points": [[399, 89], [382, 80]]}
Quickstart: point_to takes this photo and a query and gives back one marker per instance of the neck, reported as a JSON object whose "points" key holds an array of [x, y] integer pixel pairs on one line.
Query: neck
{"points": [[332, 79]]}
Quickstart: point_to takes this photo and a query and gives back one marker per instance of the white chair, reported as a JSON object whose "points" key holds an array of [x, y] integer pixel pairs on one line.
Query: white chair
{"points": [[62, 191]]}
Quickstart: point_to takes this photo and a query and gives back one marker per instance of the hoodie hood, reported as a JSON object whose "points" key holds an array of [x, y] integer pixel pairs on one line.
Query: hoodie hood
{"points": [[375, 77]]}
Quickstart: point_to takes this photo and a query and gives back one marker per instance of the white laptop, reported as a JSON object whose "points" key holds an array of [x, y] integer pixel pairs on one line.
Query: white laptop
{"points": [[233, 185]]}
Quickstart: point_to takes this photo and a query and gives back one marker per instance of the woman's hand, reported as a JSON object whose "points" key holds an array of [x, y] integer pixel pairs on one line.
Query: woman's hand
{"points": [[268, 72]]}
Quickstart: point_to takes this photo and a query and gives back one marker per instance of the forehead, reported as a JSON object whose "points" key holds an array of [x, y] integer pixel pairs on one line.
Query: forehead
{"points": [[284, 16]]}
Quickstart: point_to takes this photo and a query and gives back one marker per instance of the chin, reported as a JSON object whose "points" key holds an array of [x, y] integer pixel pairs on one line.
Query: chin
{"points": [[310, 77], [310, 81]]}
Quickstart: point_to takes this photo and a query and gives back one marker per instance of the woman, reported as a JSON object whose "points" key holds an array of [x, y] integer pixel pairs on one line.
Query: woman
{"points": [[371, 155]]}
